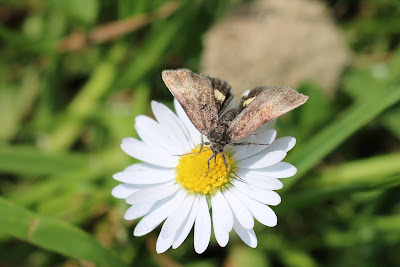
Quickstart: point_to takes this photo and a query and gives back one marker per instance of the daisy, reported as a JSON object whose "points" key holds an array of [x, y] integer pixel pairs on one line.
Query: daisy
{"points": [[174, 184]]}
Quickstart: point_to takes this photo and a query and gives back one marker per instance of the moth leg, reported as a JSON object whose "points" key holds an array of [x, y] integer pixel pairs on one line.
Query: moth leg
{"points": [[201, 148], [208, 163], [226, 163], [204, 144], [191, 153]]}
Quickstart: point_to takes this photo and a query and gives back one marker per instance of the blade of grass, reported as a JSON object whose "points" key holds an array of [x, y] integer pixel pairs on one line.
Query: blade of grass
{"points": [[15, 107], [20, 159], [299, 200], [382, 229], [85, 102], [359, 171], [20, 41], [84, 11], [54, 235], [155, 48], [308, 155]]}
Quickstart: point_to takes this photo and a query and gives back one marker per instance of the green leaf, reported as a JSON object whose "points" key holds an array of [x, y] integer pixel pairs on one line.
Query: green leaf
{"points": [[54, 235]]}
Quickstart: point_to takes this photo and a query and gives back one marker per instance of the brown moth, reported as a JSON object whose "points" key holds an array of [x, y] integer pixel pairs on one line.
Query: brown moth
{"points": [[204, 100]]}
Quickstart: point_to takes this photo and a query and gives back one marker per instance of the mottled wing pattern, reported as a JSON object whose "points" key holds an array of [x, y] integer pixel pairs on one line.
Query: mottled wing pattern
{"points": [[196, 95], [261, 105]]}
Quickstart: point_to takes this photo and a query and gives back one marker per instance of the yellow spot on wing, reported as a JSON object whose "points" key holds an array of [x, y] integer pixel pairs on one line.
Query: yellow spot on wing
{"points": [[248, 101], [219, 96]]}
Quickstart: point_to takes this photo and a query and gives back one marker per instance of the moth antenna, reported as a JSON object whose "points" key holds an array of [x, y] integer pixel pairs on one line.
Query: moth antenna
{"points": [[237, 176], [247, 144], [185, 154], [228, 168]]}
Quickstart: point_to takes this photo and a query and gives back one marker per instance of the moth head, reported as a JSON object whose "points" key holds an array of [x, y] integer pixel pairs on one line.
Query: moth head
{"points": [[217, 148]]}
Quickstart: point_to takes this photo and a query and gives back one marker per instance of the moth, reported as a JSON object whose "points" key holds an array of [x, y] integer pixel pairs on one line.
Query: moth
{"points": [[204, 99]]}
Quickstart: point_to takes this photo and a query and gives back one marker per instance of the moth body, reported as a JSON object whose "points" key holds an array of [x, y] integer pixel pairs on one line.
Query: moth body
{"points": [[218, 135]]}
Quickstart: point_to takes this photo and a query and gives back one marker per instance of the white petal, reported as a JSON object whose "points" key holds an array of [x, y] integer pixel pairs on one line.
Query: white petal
{"points": [[265, 196], [127, 140], [195, 135], [221, 235], [220, 208], [259, 180], [122, 191], [249, 150], [247, 235], [171, 125], [176, 219], [152, 194], [278, 170], [152, 134], [144, 173], [261, 212], [202, 227], [241, 213], [158, 214], [138, 149], [137, 211], [184, 230], [284, 143], [262, 160], [163, 244]]}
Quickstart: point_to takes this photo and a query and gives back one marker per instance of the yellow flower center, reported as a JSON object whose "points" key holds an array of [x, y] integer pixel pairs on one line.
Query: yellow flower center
{"points": [[192, 171]]}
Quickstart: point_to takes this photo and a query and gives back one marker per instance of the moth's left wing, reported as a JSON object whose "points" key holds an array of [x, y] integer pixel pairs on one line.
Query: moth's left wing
{"points": [[195, 93], [262, 105]]}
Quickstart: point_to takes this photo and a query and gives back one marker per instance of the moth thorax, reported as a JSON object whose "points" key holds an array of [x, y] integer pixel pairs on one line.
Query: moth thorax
{"points": [[218, 139]]}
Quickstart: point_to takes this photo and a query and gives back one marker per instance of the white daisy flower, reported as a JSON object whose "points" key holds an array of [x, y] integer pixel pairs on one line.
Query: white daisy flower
{"points": [[173, 184]]}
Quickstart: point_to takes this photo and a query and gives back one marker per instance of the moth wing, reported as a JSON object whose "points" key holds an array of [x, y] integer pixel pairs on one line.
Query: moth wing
{"points": [[262, 105], [196, 95]]}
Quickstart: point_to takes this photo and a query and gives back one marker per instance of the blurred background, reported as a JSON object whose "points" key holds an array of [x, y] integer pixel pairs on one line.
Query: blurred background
{"points": [[74, 74]]}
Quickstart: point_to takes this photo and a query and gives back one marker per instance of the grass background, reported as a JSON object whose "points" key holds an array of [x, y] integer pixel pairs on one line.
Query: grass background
{"points": [[71, 85]]}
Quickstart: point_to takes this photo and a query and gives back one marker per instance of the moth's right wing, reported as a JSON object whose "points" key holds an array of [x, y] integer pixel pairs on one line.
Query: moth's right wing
{"points": [[195, 93], [262, 105]]}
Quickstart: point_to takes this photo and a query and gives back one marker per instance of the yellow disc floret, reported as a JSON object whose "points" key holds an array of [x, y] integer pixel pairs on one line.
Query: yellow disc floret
{"points": [[193, 173]]}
